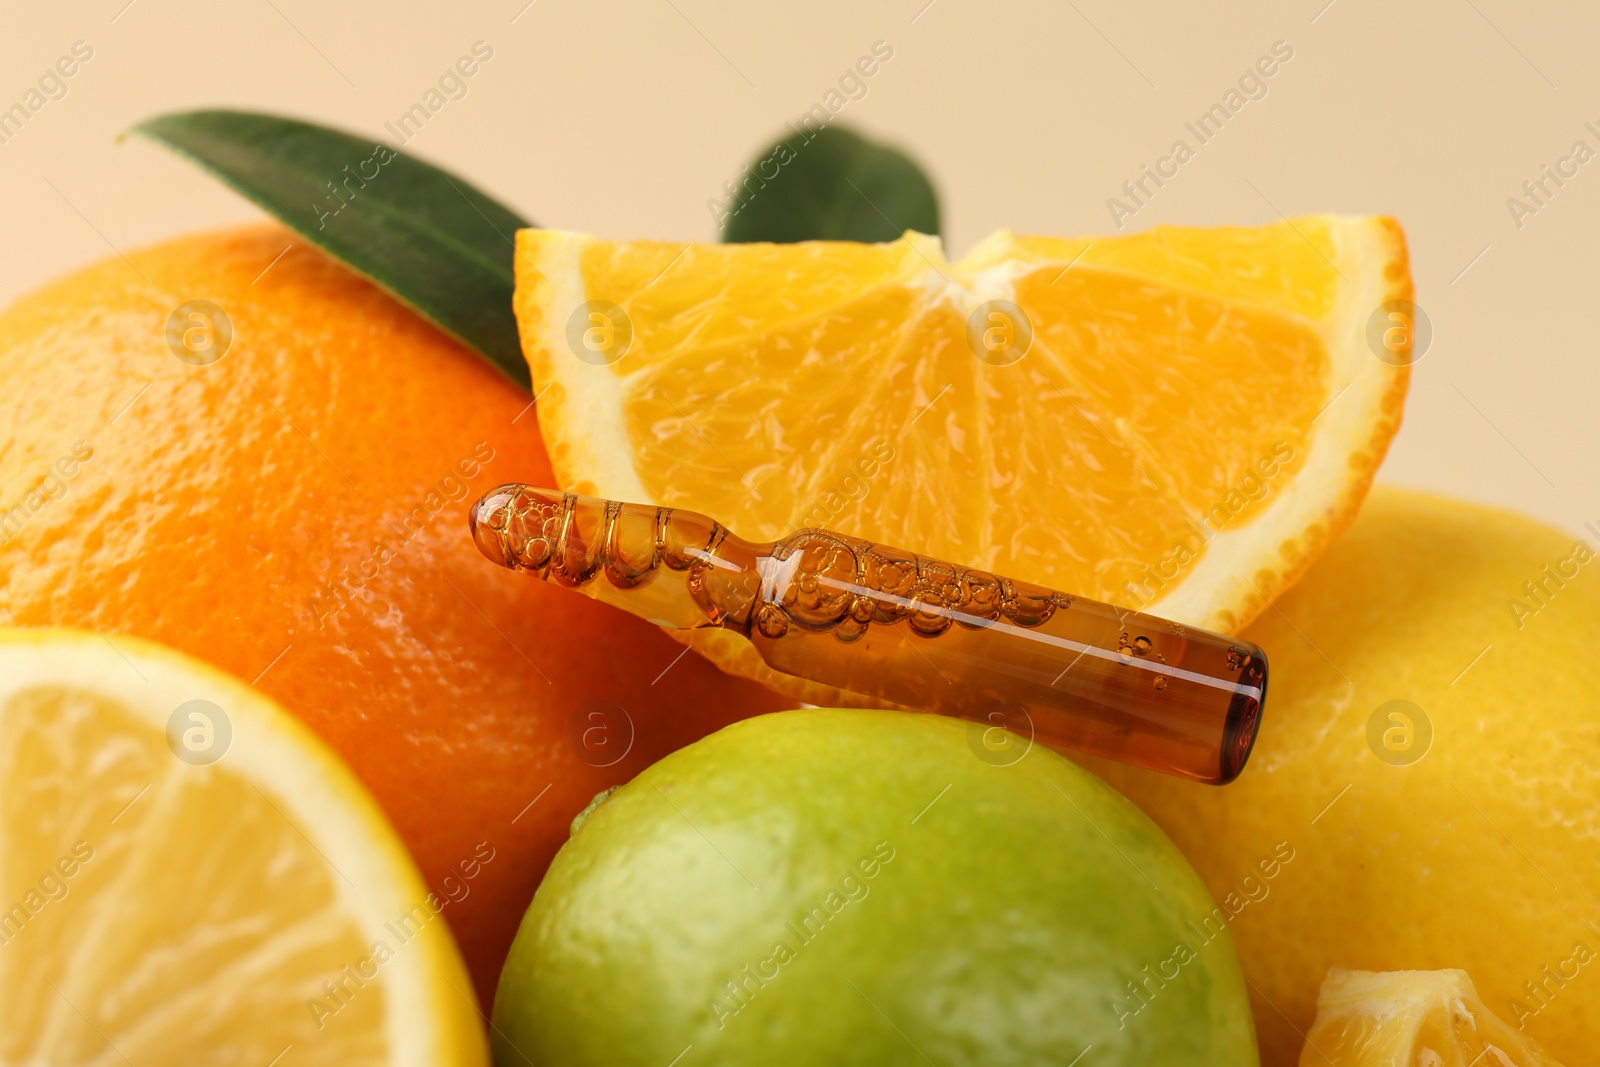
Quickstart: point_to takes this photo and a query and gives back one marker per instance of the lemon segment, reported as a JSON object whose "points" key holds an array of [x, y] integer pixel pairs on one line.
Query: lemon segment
{"points": [[1411, 1019], [190, 876]]}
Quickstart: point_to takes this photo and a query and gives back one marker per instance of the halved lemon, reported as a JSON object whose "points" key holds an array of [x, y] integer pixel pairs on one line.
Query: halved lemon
{"points": [[187, 875], [1411, 1019], [1177, 421]]}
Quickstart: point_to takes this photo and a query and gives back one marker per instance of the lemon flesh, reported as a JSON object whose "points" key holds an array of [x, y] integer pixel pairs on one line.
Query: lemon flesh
{"points": [[1411, 1019], [189, 876]]}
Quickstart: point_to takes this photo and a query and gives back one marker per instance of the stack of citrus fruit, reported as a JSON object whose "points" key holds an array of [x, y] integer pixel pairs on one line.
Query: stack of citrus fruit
{"points": [[1180, 420], [234, 445]]}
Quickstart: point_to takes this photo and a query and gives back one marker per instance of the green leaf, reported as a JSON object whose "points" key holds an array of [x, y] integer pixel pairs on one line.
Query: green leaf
{"points": [[429, 238], [830, 184]]}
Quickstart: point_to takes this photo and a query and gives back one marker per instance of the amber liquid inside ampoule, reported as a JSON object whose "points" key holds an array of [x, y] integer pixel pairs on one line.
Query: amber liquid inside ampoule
{"points": [[885, 623]]}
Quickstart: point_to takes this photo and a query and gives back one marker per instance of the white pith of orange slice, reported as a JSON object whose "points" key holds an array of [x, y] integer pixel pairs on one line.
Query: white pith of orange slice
{"points": [[167, 909], [1200, 411]]}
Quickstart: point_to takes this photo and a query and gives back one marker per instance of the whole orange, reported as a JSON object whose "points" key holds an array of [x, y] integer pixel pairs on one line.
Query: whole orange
{"points": [[276, 480]]}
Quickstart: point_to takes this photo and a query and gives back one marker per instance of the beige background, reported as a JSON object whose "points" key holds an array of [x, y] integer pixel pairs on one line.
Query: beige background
{"points": [[624, 118]]}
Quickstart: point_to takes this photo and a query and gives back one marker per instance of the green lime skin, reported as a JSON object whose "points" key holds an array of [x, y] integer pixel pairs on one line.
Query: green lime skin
{"points": [[839, 887]]}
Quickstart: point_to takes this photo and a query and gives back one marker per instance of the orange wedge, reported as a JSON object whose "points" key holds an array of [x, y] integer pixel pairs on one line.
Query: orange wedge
{"points": [[1178, 420]]}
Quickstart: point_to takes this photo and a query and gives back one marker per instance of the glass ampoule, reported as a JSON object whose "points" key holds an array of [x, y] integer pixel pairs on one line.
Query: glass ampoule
{"points": [[895, 626]]}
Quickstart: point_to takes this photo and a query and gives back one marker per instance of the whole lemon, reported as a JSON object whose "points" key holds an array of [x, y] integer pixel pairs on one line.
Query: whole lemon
{"points": [[1431, 752], [870, 887]]}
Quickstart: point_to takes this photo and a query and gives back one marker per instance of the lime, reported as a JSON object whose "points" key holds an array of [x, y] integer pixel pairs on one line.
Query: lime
{"points": [[870, 887]]}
